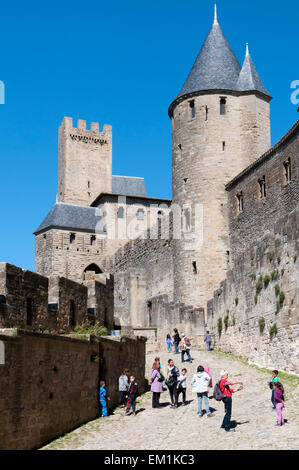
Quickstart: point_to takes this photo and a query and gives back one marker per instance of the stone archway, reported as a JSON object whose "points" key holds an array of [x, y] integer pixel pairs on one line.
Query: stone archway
{"points": [[91, 269]]}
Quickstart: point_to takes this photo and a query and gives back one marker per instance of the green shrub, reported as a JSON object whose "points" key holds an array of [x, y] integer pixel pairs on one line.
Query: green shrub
{"points": [[273, 330], [282, 272], [278, 260], [262, 324], [252, 277], [226, 318], [234, 320], [236, 300], [281, 298], [259, 285], [266, 280], [219, 326], [255, 299], [295, 259], [96, 330], [270, 257], [274, 275], [277, 289]]}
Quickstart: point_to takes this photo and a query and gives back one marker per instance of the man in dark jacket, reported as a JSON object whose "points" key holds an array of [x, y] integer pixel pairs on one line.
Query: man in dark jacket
{"points": [[132, 395], [176, 340]]}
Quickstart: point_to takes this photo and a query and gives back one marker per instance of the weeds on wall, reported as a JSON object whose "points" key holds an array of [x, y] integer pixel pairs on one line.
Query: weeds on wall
{"points": [[266, 281], [96, 330], [273, 330], [219, 326], [262, 324], [225, 321]]}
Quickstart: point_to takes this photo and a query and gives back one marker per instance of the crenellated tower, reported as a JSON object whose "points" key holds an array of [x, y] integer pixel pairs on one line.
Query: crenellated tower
{"points": [[84, 162], [220, 124]]}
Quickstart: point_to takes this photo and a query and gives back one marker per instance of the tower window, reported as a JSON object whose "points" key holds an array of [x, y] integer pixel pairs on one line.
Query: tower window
{"points": [[192, 107], [187, 220], [222, 106], [120, 213], [72, 237], [207, 113], [140, 214], [223, 146], [262, 186], [194, 267], [93, 240], [287, 171], [240, 199]]}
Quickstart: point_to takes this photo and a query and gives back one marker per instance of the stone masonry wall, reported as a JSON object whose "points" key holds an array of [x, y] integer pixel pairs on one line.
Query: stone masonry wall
{"points": [[49, 384], [85, 162], [259, 301], [208, 150], [55, 304], [260, 214]]}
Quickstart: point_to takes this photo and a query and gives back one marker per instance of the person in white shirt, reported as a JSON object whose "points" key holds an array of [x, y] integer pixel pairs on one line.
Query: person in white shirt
{"points": [[182, 385], [200, 385]]}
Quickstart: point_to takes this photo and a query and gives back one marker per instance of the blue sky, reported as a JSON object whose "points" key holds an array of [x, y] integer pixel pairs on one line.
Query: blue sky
{"points": [[119, 62]]}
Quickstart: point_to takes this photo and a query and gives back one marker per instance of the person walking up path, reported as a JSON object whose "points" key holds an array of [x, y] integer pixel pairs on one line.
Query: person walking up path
{"points": [[208, 340], [185, 348], [156, 385], [169, 343], [200, 385], [224, 385]]}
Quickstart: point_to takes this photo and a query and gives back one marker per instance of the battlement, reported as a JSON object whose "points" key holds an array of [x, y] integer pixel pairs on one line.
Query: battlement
{"points": [[81, 133], [56, 304]]}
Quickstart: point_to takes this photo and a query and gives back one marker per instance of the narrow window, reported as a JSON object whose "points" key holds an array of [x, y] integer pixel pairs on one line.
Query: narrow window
{"points": [[120, 213], [72, 313], [140, 214], [72, 238], [222, 106], [262, 185], [29, 312], [187, 221], [88, 184], [93, 240], [240, 199], [207, 113], [194, 267], [223, 146], [287, 171], [192, 107]]}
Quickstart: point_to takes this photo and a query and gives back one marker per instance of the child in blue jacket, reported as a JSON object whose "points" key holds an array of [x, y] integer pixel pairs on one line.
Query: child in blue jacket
{"points": [[103, 398]]}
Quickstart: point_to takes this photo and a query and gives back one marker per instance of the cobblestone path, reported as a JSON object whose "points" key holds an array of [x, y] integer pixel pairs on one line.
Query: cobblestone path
{"points": [[182, 429]]}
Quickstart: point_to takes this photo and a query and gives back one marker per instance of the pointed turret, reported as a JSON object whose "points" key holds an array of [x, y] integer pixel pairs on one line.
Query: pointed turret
{"points": [[216, 66], [249, 79]]}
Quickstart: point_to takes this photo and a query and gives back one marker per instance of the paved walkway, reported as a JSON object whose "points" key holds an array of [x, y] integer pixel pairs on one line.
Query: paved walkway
{"points": [[182, 429]]}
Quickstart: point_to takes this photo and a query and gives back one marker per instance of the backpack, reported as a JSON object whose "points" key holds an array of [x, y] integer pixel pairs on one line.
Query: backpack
{"points": [[218, 395]]}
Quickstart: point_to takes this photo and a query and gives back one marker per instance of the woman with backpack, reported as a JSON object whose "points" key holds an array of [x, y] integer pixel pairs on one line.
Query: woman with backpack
{"points": [[224, 392], [156, 385]]}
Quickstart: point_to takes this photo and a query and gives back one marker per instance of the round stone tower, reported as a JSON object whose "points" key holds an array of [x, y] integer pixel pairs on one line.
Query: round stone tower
{"points": [[220, 124]]}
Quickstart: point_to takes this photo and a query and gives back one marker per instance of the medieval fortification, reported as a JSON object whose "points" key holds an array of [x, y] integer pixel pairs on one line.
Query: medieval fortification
{"points": [[221, 255]]}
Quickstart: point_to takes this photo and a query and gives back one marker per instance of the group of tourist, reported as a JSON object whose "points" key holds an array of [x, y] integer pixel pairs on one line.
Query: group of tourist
{"points": [[183, 344], [176, 383]]}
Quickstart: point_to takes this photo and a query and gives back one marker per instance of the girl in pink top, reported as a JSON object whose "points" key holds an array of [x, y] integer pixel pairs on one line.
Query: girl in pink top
{"points": [[279, 401], [207, 370]]}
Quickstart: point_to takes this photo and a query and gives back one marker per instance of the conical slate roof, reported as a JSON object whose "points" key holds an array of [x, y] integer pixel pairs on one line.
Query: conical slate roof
{"points": [[249, 78], [216, 66]]}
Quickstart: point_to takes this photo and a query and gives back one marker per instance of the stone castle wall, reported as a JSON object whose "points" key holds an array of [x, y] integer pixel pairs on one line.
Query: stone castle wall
{"points": [[258, 301], [261, 213], [55, 304], [49, 384], [85, 162], [208, 150]]}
